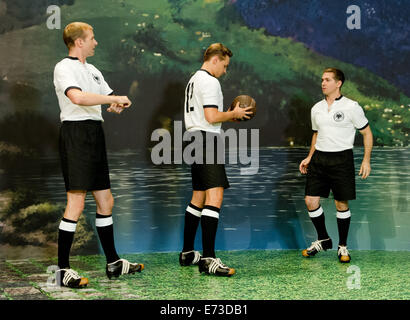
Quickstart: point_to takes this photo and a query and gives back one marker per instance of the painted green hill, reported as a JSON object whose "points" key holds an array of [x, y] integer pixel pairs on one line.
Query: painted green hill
{"points": [[148, 50]]}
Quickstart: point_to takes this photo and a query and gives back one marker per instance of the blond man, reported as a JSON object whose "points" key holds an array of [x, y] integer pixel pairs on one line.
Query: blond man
{"points": [[81, 90]]}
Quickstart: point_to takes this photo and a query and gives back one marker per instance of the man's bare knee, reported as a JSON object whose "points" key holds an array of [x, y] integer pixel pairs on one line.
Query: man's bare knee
{"points": [[106, 205], [104, 201], [75, 205], [198, 198], [214, 197], [341, 205], [110, 202], [312, 203]]}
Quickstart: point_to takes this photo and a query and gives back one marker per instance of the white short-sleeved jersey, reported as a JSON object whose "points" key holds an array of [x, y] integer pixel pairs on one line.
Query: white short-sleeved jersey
{"points": [[336, 127], [203, 91], [71, 73]]}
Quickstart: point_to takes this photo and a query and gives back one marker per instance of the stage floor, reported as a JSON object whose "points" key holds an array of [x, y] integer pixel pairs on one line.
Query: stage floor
{"points": [[261, 275]]}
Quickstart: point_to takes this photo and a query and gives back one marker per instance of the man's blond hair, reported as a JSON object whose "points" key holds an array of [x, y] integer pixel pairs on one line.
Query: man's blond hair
{"points": [[217, 49], [73, 31]]}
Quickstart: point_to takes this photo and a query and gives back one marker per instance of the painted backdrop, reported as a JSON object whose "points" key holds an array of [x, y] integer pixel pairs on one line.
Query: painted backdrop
{"points": [[148, 50]]}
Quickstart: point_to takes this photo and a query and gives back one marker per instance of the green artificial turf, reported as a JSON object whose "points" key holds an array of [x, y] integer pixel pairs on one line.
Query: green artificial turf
{"points": [[261, 275]]}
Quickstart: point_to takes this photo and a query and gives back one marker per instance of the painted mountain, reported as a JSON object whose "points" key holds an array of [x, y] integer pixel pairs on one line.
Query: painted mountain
{"points": [[149, 49]]}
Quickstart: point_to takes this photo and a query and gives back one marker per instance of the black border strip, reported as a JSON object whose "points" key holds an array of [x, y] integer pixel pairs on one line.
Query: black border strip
{"points": [[363, 127], [72, 87]]}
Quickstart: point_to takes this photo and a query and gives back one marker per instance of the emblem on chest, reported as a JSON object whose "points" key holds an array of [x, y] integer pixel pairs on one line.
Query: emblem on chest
{"points": [[338, 116]]}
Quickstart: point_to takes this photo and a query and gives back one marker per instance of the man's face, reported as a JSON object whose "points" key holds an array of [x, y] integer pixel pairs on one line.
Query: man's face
{"points": [[221, 66], [89, 43], [329, 83]]}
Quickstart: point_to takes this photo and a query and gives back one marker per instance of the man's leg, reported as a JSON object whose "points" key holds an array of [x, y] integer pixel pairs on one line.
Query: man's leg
{"points": [[189, 256], [192, 218], [65, 275], [209, 224], [343, 220], [209, 220], [104, 224], [343, 224], [66, 230], [317, 216]]}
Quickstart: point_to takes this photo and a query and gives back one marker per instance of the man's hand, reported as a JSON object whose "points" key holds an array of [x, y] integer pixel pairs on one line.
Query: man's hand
{"points": [[115, 108], [242, 113], [123, 101], [304, 164], [365, 169]]}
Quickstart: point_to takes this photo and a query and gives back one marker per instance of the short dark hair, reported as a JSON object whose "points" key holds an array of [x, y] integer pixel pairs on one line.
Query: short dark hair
{"points": [[217, 49], [338, 74]]}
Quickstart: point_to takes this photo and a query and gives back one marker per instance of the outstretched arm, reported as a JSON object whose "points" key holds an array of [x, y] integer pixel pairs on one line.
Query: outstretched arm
{"points": [[91, 99]]}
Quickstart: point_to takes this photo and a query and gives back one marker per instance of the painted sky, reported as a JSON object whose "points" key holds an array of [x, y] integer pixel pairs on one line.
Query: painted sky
{"points": [[382, 45]]}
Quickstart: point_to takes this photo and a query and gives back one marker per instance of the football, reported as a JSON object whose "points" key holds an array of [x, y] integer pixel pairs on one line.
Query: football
{"points": [[244, 101]]}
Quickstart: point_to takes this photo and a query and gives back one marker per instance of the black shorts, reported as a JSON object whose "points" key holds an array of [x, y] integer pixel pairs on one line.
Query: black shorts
{"points": [[83, 156], [331, 171], [210, 175]]}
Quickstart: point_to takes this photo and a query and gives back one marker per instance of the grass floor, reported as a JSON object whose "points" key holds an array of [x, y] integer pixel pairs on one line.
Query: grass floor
{"points": [[261, 275]]}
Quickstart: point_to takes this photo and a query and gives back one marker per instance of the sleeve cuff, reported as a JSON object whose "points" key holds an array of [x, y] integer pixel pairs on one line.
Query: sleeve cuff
{"points": [[363, 127], [72, 87], [210, 106]]}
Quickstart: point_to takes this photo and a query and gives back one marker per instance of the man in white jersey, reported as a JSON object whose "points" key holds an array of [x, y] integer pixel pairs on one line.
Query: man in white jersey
{"points": [[330, 163], [81, 90], [203, 112]]}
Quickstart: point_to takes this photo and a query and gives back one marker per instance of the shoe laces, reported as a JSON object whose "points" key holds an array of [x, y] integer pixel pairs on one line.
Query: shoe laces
{"points": [[343, 251], [197, 256], [125, 266], [70, 274], [215, 264], [316, 245]]}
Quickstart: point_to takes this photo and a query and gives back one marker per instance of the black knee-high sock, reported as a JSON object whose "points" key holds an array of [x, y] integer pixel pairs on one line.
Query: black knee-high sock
{"points": [[66, 232], [209, 225], [105, 229], [318, 218], [192, 218], [343, 223]]}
